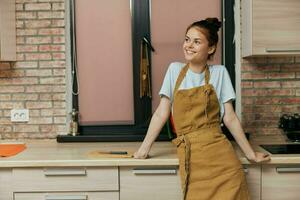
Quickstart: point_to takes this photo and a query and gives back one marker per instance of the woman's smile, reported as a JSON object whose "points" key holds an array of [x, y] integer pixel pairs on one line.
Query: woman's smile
{"points": [[189, 52]]}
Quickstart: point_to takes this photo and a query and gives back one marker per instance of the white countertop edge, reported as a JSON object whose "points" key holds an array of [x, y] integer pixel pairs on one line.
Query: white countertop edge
{"points": [[109, 162]]}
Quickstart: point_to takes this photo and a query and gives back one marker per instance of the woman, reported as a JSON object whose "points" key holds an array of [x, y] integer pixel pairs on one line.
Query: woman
{"points": [[199, 97]]}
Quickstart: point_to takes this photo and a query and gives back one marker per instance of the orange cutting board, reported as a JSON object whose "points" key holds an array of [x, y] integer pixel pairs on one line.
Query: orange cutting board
{"points": [[9, 149]]}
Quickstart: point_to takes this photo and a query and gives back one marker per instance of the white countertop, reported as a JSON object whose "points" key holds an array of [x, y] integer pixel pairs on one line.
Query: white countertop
{"points": [[49, 153]]}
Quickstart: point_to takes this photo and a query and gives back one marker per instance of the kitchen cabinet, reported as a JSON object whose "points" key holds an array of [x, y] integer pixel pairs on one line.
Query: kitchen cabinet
{"points": [[65, 179], [7, 30], [68, 196], [164, 183], [50, 170], [5, 184], [280, 182], [253, 176], [155, 183], [59, 183], [270, 27]]}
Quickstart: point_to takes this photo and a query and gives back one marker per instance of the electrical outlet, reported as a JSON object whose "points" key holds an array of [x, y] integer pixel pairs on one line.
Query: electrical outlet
{"points": [[19, 115]]}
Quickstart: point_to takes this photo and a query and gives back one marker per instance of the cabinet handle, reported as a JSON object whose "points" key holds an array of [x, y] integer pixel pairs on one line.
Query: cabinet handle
{"points": [[65, 172], [281, 50], [154, 171], [66, 197], [287, 169]]}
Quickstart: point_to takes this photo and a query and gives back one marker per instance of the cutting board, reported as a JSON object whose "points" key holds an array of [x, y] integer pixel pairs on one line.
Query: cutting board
{"points": [[11, 149]]}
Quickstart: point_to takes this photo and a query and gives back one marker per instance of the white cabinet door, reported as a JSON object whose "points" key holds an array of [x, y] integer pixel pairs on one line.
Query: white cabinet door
{"points": [[65, 179], [150, 183], [270, 27], [281, 182], [68, 196], [7, 30], [253, 176], [5, 184]]}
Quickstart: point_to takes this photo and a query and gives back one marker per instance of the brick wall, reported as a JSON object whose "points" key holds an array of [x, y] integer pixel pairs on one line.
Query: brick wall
{"points": [[270, 88], [37, 80]]}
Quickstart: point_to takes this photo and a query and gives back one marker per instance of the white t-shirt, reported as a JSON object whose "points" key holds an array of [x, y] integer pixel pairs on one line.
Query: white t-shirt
{"points": [[219, 78]]}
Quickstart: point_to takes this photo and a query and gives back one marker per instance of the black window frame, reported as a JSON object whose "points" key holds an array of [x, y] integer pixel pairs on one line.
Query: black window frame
{"points": [[142, 106]]}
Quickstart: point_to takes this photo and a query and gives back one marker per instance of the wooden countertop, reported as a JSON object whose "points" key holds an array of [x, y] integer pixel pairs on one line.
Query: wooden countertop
{"points": [[49, 153]]}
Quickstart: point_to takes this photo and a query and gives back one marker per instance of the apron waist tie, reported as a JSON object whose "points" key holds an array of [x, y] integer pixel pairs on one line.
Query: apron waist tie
{"points": [[183, 139]]}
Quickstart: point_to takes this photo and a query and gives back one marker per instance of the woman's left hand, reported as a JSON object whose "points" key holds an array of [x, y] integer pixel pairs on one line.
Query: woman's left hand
{"points": [[260, 157]]}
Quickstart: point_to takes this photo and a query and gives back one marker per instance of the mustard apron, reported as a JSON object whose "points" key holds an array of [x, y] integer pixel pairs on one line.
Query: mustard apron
{"points": [[208, 165]]}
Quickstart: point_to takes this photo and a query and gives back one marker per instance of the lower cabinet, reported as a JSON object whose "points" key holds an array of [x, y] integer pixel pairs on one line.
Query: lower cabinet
{"points": [[150, 183], [6, 184], [164, 183], [66, 179], [280, 182], [68, 196], [65, 183], [253, 176], [266, 182]]}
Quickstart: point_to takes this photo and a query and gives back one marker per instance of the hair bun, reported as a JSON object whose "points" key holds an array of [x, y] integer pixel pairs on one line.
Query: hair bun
{"points": [[214, 23]]}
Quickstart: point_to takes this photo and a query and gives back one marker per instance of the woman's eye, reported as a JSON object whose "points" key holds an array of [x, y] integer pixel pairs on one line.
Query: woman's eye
{"points": [[197, 42], [186, 39]]}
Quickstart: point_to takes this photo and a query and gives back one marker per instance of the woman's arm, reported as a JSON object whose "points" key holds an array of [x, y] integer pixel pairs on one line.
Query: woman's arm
{"points": [[158, 120], [233, 124]]}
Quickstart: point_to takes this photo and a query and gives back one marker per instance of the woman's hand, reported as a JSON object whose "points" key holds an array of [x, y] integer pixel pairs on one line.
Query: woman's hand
{"points": [[141, 153], [260, 157]]}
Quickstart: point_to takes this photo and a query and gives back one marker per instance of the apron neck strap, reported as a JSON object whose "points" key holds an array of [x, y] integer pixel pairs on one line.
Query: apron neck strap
{"points": [[207, 75], [183, 72], [181, 77]]}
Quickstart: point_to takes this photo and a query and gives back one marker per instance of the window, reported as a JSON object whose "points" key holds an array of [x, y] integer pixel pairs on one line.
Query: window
{"points": [[108, 40]]}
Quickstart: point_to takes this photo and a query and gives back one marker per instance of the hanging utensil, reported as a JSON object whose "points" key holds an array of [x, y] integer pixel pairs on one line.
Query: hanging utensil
{"points": [[145, 81]]}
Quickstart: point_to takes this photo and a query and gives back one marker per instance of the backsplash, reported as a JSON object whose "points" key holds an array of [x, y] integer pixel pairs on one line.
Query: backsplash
{"points": [[270, 88], [37, 80]]}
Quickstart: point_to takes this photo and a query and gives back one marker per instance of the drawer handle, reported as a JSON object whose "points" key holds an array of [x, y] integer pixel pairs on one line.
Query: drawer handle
{"points": [[65, 172], [281, 50], [287, 169], [154, 171], [66, 197]]}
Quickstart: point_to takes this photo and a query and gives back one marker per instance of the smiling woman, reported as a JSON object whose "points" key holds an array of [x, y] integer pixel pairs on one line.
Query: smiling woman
{"points": [[199, 96]]}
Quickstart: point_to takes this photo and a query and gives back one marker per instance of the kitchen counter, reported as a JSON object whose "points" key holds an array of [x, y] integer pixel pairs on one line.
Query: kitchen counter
{"points": [[49, 153]]}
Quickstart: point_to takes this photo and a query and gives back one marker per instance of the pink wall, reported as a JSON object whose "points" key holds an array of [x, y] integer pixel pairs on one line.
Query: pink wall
{"points": [[104, 61], [105, 52]]}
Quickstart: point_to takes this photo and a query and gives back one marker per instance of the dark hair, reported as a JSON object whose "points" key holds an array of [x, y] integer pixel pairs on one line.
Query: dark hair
{"points": [[210, 27]]}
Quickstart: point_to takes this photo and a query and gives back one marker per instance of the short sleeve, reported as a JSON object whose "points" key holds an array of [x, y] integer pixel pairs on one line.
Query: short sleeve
{"points": [[166, 88], [227, 91]]}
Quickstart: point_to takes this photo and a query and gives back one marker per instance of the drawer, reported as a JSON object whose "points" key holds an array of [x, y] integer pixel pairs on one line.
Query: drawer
{"points": [[280, 182], [65, 179], [159, 183], [68, 196]]}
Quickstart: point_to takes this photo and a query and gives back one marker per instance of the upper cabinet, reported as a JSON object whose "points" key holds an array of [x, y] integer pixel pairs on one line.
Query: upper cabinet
{"points": [[7, 30], [270, 27]]}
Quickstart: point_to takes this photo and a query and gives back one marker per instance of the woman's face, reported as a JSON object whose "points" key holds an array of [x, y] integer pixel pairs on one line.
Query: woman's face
{"points": [[196, 46]]}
